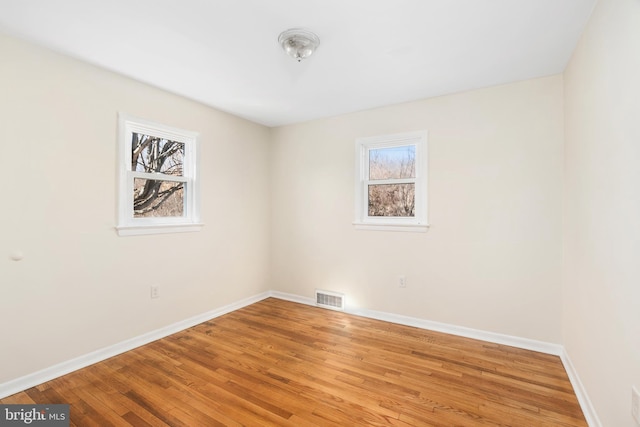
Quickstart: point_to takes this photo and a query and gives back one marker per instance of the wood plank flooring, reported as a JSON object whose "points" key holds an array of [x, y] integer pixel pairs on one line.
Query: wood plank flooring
{"points": [[277, 363]]}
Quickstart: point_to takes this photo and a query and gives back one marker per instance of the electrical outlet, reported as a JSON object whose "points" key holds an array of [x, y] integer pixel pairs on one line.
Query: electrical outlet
{"points": [[402, 281], [155, 292], [635, 404]]}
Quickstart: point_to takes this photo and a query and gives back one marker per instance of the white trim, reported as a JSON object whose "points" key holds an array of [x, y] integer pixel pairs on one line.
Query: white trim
{"points": [[159, 229], [19, 384], [162, 177], [127, 225], [419, 228], [581, 393], [293, 298], [493, 337], [362, 220], [55, 371], [523, 343]]}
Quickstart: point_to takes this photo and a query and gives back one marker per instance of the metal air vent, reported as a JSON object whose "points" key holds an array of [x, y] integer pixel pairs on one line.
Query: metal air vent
{"points": [[328, 299]]}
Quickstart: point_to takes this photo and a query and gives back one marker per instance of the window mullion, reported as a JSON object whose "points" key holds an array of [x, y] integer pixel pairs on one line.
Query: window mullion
{"points": [[174, 199], [390, 181], [157, 176], [397, 204]]}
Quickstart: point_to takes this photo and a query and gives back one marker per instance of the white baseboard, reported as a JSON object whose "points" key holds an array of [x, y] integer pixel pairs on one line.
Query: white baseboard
{"points": [[581, 393], [55, 371], [293, 298], [36, 378], [492, 337], [524, 343]]}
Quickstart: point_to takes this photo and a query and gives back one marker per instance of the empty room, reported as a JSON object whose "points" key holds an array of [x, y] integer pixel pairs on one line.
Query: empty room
{"points": [[318, 213]]}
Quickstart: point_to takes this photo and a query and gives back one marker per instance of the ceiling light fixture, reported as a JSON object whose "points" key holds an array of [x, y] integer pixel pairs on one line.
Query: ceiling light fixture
{"points": [[298, 43]]}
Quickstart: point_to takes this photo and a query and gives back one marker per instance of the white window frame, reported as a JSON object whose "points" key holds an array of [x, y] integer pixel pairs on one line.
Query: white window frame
{"points": [[128, 225], [363, 221]]}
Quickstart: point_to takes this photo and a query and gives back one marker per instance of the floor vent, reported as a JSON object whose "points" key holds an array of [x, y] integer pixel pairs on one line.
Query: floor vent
{"points": [[328, 299]]}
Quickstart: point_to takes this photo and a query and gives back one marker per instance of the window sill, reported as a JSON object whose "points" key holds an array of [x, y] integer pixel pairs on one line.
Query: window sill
{"points": [[137, 230], [414, 228]]}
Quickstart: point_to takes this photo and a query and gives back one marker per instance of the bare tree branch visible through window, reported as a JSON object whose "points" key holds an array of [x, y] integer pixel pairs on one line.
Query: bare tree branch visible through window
{"points": [[395, 200], [157, 197]]}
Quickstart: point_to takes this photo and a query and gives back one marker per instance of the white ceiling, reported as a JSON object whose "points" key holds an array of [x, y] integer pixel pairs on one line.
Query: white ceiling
{"points": [[224, 53]]}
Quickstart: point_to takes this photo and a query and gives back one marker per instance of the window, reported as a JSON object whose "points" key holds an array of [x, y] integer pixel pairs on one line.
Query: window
{"points": [[391, 182], [158, 188]]}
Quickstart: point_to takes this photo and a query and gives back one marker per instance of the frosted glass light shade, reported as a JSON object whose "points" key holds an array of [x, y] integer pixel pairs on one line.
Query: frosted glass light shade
{"points": [[298, 43]]}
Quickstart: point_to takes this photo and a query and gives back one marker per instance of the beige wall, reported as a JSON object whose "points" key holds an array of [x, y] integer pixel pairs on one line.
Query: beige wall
{"points": [[492, 257], [601, 312], [492, 260], [80, 287]]}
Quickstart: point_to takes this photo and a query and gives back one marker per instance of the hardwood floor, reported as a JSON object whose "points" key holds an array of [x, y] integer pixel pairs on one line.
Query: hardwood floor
{"points": [[277, 363]]}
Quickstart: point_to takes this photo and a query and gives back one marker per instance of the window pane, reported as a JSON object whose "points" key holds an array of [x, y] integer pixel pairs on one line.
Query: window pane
{"points": [[153, 154], [392, 200], [155, 198], [392, 163]]}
